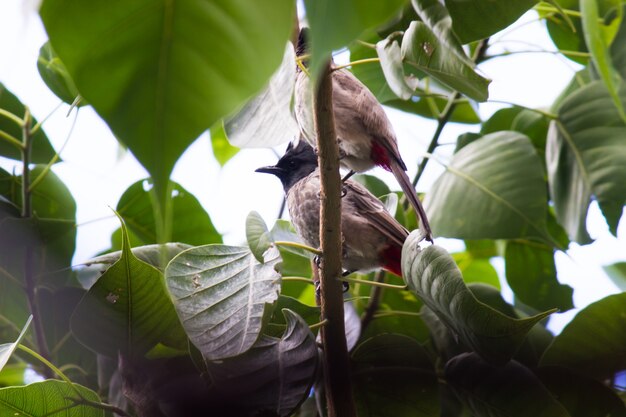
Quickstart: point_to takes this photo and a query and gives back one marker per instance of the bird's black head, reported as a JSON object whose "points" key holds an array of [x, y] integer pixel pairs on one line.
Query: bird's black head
{"points": [[304, 39], [298, 161]]}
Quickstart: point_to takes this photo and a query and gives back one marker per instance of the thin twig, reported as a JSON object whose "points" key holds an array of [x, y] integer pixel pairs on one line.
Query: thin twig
{"points": [[374, 301]]}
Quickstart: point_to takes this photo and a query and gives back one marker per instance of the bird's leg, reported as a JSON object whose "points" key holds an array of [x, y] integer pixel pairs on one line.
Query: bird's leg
{"points": [[347, 176]]}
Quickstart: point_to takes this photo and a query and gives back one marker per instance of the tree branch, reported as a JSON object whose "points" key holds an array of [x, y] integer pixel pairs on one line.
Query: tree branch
{"points": [[339, 397]]}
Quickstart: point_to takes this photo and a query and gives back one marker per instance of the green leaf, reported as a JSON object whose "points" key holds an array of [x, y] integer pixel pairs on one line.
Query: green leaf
{"points": [[278, 322], [223, 296], [476, 269], [180, 65], [42, 151], [481, 249], [374, 184], [586, 157], [618, 48], [394, 376], [432, 275], [531, 273], [617, 273], [371, 74], [191, 224], [589, 348], [336, 23], [266, 119], [508, 391], [274, 376], [223, 151], [48, 398], [560, 29], [54, 74], [494, 188], [13, 374], [596, 38], [127, 310], [7, 349], [431, 46], [258, 236], [580, 395], [479, 19], [402, 85]]}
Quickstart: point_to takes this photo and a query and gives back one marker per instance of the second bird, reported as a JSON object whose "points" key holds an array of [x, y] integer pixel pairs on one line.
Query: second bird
{"points": [[372, 238], [364, 133]]}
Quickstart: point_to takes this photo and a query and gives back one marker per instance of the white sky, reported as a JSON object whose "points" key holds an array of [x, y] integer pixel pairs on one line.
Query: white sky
{"points": [[97, 173]]}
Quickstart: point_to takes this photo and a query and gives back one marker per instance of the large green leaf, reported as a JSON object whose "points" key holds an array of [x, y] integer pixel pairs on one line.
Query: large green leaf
{"points": [[566, 31], [390, 56], [127, 310], [275, 375], [494, 188], [54, 74], [508, 391], [478, 19], [598, 37], [476, 269], [49, 398], [336, 23], [161, 72], [580, 395], [593, 342], [223, 295], [432, 275], [393, 377], [531, 274], [266, 120], [586, 157], [191, 223], [431, 46], [42, 151]]}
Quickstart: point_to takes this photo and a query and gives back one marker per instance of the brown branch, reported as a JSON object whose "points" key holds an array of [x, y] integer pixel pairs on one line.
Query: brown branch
{"points": [[374, 302], [339, 398]]}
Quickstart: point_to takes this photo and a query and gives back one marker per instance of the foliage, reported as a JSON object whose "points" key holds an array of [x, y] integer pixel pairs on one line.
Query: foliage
{"points": [[176, 323]]}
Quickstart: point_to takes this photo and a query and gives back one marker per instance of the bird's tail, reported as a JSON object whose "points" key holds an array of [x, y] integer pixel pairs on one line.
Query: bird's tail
{"points": [[409, 192]]}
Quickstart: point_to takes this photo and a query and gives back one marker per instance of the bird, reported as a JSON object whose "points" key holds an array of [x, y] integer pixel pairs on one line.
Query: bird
{"points": [[364, 133], [371, 237]]}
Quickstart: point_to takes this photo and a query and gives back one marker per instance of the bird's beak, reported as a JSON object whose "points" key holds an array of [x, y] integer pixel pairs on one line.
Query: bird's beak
{"points": [[272, 169]]}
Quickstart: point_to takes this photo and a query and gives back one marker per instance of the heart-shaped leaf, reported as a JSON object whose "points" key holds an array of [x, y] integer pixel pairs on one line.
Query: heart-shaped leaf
{"points": [[258, 236], [275, 375], [127, 310], [180, 65], [54, 74], [586, 157], [390, 56], [266, 120], [432, 275], [593, 342], [494, 188], [511, 390], [49, 398], [223, 296]]}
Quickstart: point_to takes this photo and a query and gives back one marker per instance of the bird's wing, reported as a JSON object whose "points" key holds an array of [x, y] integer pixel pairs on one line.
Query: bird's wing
{"points": [[351, 93], [374, 211]]}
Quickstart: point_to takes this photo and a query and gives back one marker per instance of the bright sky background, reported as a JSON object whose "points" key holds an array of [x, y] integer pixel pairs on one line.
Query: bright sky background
{"points": [[98, 172]]}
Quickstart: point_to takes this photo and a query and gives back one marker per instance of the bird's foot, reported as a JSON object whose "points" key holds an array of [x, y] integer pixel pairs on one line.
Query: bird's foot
{"points": [[347, 176]]}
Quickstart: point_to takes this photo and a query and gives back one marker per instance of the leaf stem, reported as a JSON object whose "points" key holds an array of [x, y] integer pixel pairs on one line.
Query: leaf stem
{"points": [[549, 115], [41, 122], [15, 119], [374, 283], [297, 245], [357, 62], [388, 313], [11, 139], [564, 12], [298, 279], [374, 301]]}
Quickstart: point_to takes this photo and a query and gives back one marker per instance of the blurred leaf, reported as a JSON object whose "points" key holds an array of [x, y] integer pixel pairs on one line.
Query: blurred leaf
{"points": [[598, 37], [266, 119], [54, 74], [402, 85], [531, 273], [191, 224], [49, 398], [476, 269], [12, 375], [564, 37], [394, 377], [371, 74], [481, 249], [479, 19], [588, 347], [617, 273], [223, 151], [618, 47], [586, 157], [278, 322], [7, 349], [275, 375], [336, 23], [432, 274], [428, 51], [581, 395], [127, 310], [374, 184], [258, 236], [511, 390], [173, 64], [223, 296], [494, 188], [42, 151]]}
